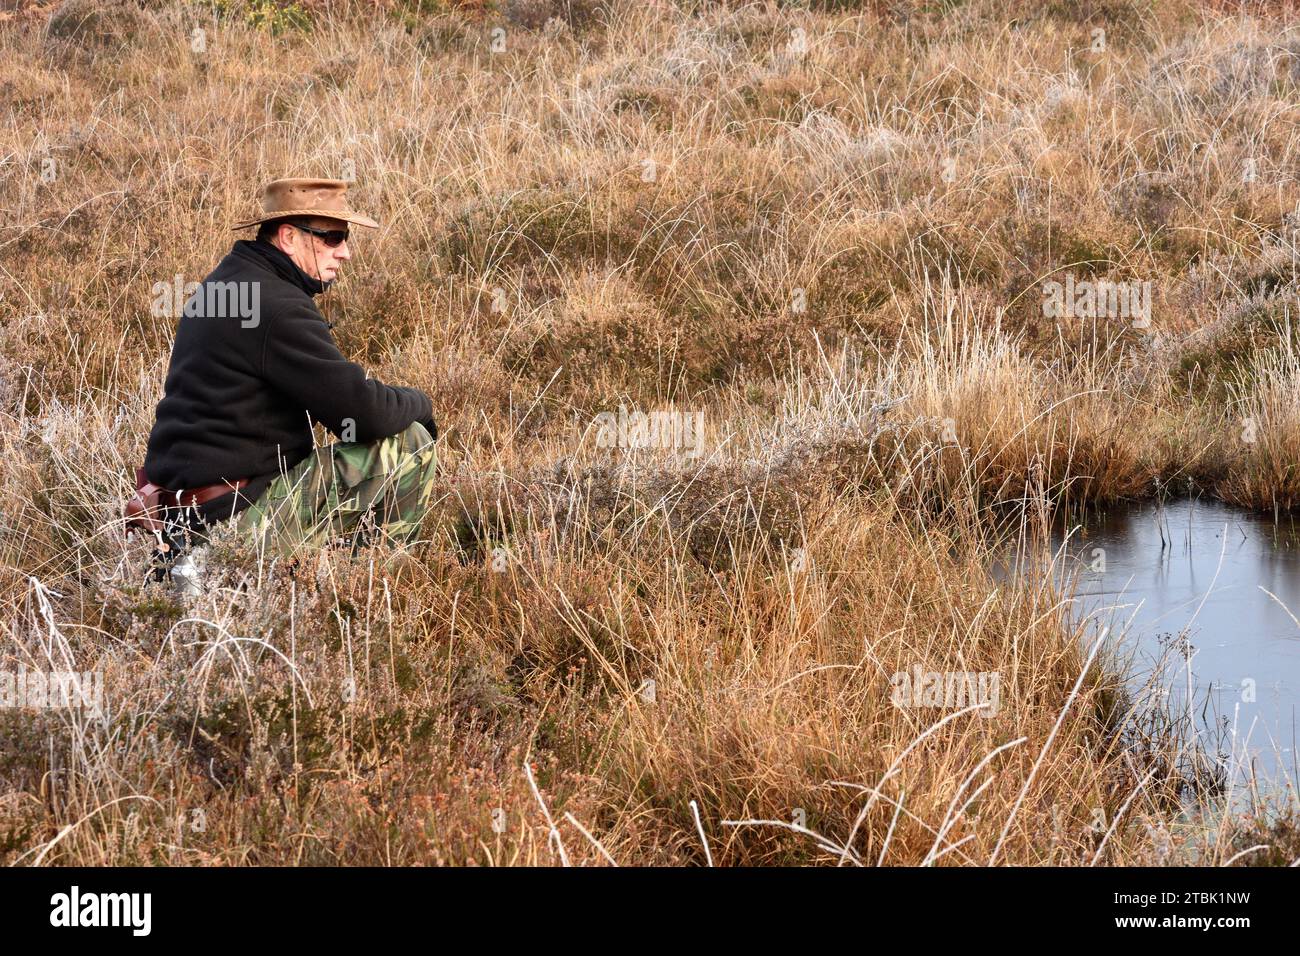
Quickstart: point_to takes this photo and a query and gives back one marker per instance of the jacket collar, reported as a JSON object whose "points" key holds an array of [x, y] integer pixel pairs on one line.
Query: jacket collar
{"points": [[278, 262]]}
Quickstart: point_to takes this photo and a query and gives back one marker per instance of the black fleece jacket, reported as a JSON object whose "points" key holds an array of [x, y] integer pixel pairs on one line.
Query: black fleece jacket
{"points": [[245, 385]]}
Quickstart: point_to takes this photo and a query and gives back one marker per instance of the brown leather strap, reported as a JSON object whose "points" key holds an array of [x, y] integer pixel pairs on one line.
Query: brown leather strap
{"points": [[193, 497], [145, 509]]}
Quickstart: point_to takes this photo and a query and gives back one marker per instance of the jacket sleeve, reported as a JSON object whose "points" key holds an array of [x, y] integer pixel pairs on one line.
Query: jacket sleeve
{"points": [[301, 360]]}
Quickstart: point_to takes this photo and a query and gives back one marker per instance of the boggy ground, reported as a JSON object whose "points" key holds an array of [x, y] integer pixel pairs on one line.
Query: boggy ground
{"points": [[825, 230]]}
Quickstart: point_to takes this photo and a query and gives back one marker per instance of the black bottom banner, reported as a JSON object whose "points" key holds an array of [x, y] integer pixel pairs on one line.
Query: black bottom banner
{"points": [[343, 905]]}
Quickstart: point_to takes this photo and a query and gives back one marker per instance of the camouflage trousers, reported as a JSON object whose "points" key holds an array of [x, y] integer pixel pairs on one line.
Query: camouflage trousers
{"points": [[347, 490]]}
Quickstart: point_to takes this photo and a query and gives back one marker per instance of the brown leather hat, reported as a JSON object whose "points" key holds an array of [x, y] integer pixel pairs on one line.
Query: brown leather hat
{"points": [[307, 197]]}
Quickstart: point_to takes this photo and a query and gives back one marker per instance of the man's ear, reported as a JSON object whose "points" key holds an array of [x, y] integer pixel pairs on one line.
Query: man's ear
{"points": [[281, 239]]}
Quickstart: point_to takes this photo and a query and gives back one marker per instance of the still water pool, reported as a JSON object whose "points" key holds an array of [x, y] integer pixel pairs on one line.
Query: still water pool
{"points": [[1202, 579]]}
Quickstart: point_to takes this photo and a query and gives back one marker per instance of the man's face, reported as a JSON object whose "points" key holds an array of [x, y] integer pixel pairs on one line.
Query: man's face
{"points": [[310, 253]]}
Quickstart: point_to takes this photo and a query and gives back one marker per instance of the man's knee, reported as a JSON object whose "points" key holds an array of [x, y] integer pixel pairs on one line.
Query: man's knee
{"points": [[414, 438], [415, 451]]}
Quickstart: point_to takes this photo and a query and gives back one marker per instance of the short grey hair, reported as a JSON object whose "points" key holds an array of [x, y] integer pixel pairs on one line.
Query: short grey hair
{"points": [[267, 230]]}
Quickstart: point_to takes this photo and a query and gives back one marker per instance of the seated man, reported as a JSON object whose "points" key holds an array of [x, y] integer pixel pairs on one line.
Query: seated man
{"points": [[252, 368]]}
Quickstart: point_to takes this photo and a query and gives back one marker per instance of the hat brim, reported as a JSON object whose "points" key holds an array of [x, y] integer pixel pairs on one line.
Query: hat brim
{"points": [[355, 218]]}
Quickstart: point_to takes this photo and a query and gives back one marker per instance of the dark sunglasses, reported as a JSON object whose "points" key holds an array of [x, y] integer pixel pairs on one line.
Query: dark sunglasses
{"points": [[331, 237]]}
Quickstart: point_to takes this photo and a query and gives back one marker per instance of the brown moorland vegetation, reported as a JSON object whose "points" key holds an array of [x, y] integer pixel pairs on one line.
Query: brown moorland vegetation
{"points": [[824, 228]]}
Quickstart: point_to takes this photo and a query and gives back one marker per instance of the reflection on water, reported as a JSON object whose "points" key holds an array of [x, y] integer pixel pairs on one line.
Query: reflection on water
{"points": [[1229, 580]]}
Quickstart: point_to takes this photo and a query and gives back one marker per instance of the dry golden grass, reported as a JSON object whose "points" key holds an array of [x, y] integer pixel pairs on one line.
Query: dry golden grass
{"points": [[601, 656]]}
